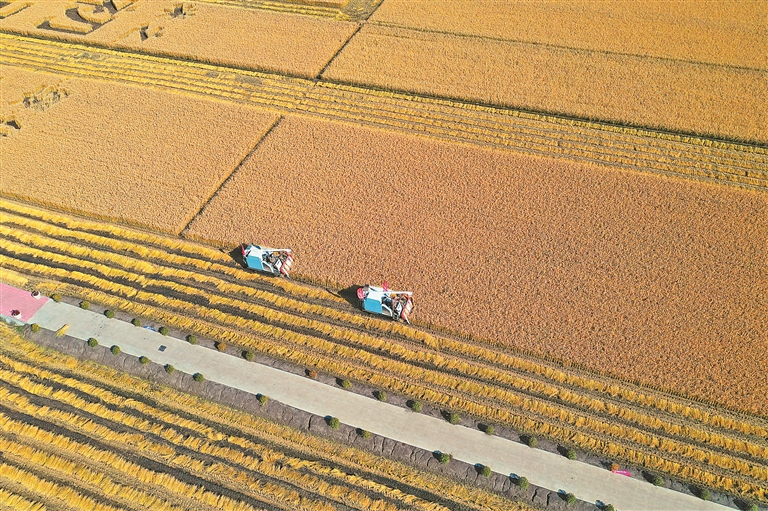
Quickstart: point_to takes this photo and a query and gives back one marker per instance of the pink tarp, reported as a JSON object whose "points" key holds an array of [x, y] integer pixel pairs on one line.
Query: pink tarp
{"points": [[12, 299]]}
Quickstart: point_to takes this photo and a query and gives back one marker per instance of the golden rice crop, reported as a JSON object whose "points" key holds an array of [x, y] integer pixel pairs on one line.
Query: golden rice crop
{"points": [[532, 253], [673, 95], [180, 169]]}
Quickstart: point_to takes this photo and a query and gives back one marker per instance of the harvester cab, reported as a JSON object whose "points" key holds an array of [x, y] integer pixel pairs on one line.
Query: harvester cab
{"points": [[277, 261], [381, 300]]}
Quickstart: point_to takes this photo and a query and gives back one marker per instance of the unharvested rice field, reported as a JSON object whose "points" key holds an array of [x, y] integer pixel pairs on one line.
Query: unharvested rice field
{"points": [[655, 280], [249, 38], [135, 155], [78, 435], [200, 290], [720, 101]]}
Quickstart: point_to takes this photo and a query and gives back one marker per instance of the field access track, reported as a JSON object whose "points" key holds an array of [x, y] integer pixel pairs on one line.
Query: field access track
{"points": [[584, 141]]}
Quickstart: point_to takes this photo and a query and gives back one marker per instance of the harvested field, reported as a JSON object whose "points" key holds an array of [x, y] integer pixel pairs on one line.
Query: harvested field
{"points": [[192, 288], [249, 38], [140, 156], [656, 280], [79, 435], [725, 32], [671, 95]]}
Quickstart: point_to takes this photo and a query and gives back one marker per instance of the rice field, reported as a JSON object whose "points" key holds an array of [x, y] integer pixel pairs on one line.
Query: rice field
{"points": [[162, 279], [108, 164], [528, 252], [78, 435]]}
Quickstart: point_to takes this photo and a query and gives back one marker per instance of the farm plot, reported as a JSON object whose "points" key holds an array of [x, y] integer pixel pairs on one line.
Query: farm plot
{"points": [[80, 435], [624, 273], [672, 95], [248, 38], [167, 280], [142, 156]]}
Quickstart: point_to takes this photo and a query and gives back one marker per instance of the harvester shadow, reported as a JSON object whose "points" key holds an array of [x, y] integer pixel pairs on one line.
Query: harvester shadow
{"points": [[350, 295], [237, 255]]}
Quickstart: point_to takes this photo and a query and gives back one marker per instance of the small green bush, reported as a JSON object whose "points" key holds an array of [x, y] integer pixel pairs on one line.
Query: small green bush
{"points": [[753, 507], [365, 434], [92, 342], [221, 346], [56, 297], [570, 498], [485, 471], [85, 304], [415, 406], [136, 322], [143, 359], [523, 483], [163, 330], [444, 458], [454, 418], [657, 480], [609, 507], [570, 454], [191, 339], [34, 327], [198, 377], [115, 349], [262, 399], [346, 384], [490, 430], [109, 313], [531, 441], [705, 494], [381, 395], [169, 368], [334, 423], [248, 355]]}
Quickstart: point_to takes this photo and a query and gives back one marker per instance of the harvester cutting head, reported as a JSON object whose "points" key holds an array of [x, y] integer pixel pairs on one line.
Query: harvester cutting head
{"points": [[397, 305], [277, 261]]}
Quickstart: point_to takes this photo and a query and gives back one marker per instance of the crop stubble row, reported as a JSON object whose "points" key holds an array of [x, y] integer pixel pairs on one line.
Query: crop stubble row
{"points": [[637, 149], [233, 321]]}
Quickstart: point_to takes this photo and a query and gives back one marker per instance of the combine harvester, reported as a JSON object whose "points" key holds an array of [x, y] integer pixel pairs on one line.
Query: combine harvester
{"points": [[380, 300], [276, 261]]}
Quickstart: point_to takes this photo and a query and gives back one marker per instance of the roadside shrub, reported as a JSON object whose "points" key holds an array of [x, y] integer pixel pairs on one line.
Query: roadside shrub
{"points": [[92, 342], [136, 322], [169, 368], [753, 507], [85, 304], [346, 384], [56, 297], [485, 471], [221, 346], [34, 327], [704, 494], [490, 430], [191, 339], [415, 406], [531, 441], [312, 373], [454, 418], [198, 377], [570, 453], [262, 399], [115, 349], [609, 507], [163, 330], [248, 355], [444, 458], [657, 480], [109, 313], [570, 498], [523, 483], [381, 395], [334, 423], [365, 434], [143, 359]]}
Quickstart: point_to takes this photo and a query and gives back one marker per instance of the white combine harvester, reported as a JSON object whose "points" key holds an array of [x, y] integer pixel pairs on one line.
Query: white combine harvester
{"points": [[380, 300], [277, 261]]}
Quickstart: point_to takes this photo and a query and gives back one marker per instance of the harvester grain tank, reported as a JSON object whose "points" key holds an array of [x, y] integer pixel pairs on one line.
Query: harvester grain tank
{"points": [[277, 261], [397, 305]]}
